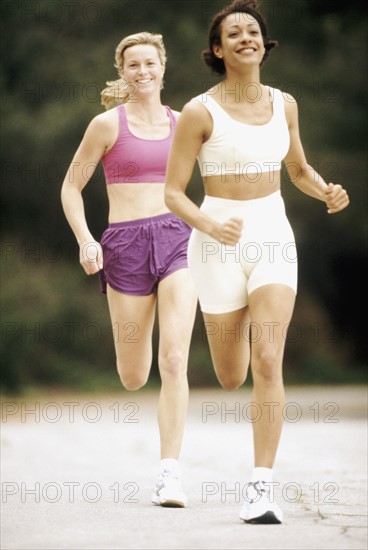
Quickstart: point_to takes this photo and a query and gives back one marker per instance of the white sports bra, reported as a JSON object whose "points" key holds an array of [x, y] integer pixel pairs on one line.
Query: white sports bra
{"points": [[239, 148]]}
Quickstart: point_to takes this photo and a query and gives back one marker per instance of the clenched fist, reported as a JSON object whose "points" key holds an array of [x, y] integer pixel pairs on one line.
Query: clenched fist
{"points": [[90, 257], [229, 232], [336, 198]]}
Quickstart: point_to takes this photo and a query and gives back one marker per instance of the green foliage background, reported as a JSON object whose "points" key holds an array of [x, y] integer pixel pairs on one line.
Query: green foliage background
{"points": [[56, 57]]}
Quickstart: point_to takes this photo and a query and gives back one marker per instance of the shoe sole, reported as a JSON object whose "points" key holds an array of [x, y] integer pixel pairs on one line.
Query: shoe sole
{"points": [[268, 518], [168, 503]]}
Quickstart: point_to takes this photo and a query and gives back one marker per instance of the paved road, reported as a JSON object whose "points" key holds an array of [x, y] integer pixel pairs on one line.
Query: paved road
{"points": [[77, 473]]}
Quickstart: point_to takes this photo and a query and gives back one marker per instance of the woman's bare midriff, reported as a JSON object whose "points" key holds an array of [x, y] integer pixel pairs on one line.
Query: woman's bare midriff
{"points": [[135, 201], [242, 186]]}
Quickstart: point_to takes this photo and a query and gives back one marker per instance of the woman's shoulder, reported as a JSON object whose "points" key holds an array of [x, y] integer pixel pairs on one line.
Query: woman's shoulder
{"points": [[195, 118], [102, 126], [105, 120], [286, 96], [108, 116], [195, 111], [286, 101]]}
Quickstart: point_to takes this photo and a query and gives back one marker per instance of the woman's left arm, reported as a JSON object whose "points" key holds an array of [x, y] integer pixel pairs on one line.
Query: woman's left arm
{"points": [[303, 176]]}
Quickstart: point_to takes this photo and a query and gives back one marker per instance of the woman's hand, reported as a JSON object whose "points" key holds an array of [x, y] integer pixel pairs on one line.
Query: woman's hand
{"points": [[336, 198], [90, 257], [229, 232]]}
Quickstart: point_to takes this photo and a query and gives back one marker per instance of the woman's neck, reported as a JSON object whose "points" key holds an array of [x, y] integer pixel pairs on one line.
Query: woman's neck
{"points": [[147, 108], [242, 86]]}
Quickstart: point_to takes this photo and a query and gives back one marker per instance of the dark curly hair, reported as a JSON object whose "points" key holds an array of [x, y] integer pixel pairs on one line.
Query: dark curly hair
{"points": [[237, 6]]}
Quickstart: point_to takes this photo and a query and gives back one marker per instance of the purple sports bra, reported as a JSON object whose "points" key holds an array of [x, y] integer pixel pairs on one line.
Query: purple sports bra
{"points": [[137, 160]]}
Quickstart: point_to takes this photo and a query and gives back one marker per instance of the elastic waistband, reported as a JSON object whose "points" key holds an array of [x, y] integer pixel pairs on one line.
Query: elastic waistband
{"points": [[249, 203], [143, 221]]}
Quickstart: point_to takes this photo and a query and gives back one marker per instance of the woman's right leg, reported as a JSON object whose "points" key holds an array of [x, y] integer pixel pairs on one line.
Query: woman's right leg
{"points": [[132, 320], [228, 339]]}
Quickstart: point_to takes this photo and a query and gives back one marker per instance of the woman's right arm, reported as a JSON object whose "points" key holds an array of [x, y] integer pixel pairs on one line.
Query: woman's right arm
{"points": [[81, 169], [192, 130]]}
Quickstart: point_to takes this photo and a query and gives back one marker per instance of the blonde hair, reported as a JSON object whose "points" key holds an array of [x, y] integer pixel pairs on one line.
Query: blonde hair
{"points": [[118, 91]]}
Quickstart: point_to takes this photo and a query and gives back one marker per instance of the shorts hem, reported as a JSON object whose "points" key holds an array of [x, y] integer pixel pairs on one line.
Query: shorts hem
{"points": [[178, 267], [256, 287], [127, 292], [218, 310]]}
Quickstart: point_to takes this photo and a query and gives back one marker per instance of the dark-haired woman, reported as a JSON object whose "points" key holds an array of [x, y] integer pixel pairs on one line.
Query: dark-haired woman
{"points": [[242, 251]]}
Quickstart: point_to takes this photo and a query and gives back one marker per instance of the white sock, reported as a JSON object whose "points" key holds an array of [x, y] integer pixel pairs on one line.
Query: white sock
{"points": [[171, 464], [262, 474]]}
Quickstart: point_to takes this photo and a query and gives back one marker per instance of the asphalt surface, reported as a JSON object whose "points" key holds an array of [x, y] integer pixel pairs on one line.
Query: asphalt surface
{"points": [[77, 472]]}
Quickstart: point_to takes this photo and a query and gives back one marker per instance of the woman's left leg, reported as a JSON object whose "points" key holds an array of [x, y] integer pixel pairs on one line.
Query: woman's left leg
{"points": [[270, 307], [176, 312], [177, 303]]}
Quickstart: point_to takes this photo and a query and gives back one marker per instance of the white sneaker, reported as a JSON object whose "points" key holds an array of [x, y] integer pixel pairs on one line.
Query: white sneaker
{"points": [[258, 507], [168, 491]]}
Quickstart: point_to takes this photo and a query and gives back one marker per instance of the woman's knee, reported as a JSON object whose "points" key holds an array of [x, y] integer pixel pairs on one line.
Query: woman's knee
{"points": [[173, 366], [267, 366], [231, 379], [132, 379], [231, 384]]}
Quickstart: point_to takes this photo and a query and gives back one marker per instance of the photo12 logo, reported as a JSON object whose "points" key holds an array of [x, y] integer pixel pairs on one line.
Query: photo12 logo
{"points": [[290, 492], [68, 491], [253, 412]]}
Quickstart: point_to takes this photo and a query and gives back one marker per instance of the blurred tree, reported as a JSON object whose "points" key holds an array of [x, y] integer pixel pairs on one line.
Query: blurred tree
{"points": [[56, 59]]}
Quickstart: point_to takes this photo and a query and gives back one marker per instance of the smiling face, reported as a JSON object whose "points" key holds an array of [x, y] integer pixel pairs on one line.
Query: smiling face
{"points": [[142, 68], [241, 41]]}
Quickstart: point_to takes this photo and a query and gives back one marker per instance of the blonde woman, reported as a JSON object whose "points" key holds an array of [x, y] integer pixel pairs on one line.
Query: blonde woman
{"points": [[242, 251], [142, 257]]}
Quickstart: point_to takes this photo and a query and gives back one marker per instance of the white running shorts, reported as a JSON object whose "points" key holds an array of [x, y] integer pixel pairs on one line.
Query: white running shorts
{"points": [[225, 275]]}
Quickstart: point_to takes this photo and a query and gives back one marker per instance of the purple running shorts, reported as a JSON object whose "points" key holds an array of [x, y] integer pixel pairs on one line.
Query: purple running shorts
{"points": [[140, 253]]}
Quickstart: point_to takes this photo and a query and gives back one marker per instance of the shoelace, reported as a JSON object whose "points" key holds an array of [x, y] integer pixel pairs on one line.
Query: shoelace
{"points": [[259, 487], [168, 473], [166, 479]]}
